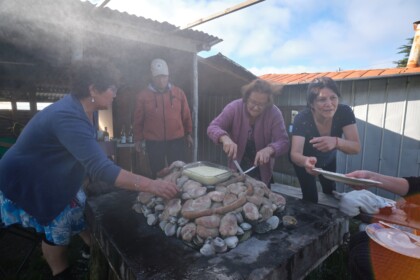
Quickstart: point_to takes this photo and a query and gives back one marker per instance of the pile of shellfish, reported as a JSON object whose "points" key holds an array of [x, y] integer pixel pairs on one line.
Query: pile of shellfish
{"points": [[212, 218]]}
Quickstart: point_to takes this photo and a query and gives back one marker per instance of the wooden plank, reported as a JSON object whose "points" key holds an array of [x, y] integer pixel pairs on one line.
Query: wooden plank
{"points": [[222, 13]]}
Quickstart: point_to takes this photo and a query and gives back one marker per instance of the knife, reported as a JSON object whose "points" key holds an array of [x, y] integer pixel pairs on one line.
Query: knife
{"points": [[250, 169], [238, 166]]}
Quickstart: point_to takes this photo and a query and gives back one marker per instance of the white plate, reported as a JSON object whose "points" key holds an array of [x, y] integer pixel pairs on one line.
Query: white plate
{"points": [[338, 177], [393, 240]]}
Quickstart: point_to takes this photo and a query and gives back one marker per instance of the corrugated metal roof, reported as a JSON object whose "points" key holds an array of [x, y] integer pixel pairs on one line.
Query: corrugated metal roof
{"points": [[225, 64], [163, 27], [303, 78], [77, 15]]}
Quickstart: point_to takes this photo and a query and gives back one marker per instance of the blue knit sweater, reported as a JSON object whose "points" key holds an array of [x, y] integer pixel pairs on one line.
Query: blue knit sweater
{"points": [[44, 169]]}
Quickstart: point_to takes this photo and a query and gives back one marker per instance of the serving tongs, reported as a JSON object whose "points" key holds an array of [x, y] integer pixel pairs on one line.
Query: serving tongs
{"points": [[240, 169], [413, 240]]}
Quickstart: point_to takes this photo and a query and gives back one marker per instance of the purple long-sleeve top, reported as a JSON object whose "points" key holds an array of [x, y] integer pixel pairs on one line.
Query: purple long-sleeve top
{"points": [[269, 131]]}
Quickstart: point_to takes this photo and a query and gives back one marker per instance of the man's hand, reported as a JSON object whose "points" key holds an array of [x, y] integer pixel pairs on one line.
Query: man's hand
{"points": [[189, 140]]}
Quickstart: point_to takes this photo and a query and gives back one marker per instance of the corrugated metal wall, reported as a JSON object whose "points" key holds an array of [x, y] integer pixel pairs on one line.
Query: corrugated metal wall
{"points": [[388, 120]]}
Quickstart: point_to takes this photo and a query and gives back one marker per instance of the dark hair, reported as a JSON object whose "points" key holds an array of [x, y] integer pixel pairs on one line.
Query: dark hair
{"points": [[316, 85], [92, 71], [262, 86]]}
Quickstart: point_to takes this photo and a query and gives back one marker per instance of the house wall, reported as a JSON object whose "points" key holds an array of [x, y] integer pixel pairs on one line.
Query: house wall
{"points": [[387, 122]]}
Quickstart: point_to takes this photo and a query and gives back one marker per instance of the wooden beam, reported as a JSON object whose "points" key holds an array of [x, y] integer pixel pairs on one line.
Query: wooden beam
{"points": [[104, 4], [222, 13], [323, 199]]}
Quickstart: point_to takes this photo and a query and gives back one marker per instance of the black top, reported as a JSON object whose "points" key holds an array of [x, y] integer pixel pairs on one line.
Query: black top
{"points": [[304, 125], [414, 185]]}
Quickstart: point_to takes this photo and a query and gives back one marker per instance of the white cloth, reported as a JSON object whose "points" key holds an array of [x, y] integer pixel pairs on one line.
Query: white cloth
{"points": [[355, 202]]}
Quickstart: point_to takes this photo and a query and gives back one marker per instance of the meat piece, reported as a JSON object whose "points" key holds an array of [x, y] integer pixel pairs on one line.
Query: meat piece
{"points": [[228, 225], [236, 188], [192, 189], [251, 211], [216, 196], [173, 207], [212, 221], [188, 231], [229, 199], [205, 233]]}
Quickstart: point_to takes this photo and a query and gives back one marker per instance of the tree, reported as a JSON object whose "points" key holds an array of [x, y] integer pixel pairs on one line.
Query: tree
{"points": [[404, 49]]}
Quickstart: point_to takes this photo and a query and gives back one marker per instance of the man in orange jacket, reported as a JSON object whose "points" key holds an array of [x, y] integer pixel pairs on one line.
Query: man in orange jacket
{"points": [[162, 120]]}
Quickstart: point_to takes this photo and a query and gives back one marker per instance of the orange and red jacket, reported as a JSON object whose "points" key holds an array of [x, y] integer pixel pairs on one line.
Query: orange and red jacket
{"points": [[161, 116]]}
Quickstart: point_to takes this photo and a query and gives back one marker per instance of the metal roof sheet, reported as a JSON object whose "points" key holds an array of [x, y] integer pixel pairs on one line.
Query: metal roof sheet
{"points": [[302, 78], [222, 62], [75, 14], [155, 25]]}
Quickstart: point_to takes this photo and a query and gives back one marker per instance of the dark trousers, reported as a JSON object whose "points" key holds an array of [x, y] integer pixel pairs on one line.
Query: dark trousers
{"points": [[369, 260], [163, 153], [308, 182]]}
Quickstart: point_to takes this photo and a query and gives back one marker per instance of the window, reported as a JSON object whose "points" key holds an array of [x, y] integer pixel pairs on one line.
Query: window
{"points": [[42, 105], [23, 106], [5, 105]]}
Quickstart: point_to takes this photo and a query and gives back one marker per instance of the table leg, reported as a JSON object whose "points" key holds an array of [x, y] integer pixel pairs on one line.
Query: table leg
{"points": [[99, 269]]}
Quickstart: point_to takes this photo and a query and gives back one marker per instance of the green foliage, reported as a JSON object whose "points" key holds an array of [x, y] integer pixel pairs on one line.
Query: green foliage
{"points": [[404, 49]]}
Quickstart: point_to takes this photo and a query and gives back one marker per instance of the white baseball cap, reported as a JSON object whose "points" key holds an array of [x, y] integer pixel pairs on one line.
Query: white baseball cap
{"points": [[159, 67]]}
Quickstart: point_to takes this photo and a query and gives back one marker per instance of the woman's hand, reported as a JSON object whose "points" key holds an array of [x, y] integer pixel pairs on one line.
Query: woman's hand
{"points": [[163, 188], [399, 186], [309, 164], [263, 156], [229, 147], [361, 174], [324, 143]]}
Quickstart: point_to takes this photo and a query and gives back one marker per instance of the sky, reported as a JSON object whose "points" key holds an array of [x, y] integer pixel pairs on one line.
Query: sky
{"points": [[294, 36]]}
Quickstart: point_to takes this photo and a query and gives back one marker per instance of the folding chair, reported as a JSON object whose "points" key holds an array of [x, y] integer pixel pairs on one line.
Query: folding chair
{"points": [[24, 233]]}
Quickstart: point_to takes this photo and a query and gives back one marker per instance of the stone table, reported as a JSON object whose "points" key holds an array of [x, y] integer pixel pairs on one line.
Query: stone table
{"points": [[125, 247]]}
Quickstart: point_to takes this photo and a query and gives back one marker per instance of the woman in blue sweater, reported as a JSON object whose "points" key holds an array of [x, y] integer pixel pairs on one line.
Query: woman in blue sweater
{"points": [[42, 173]]}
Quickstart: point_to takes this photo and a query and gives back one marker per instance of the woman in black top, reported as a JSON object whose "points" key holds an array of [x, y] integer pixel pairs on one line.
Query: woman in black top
{"points": [[316, 136]]}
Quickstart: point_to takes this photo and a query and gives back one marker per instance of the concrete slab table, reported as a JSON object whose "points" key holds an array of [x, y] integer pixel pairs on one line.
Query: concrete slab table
{"points": [[125, 247]]}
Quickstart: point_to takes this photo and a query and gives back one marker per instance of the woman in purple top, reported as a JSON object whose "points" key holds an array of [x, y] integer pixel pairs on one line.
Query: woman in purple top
{"points": [[252, 130]]}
